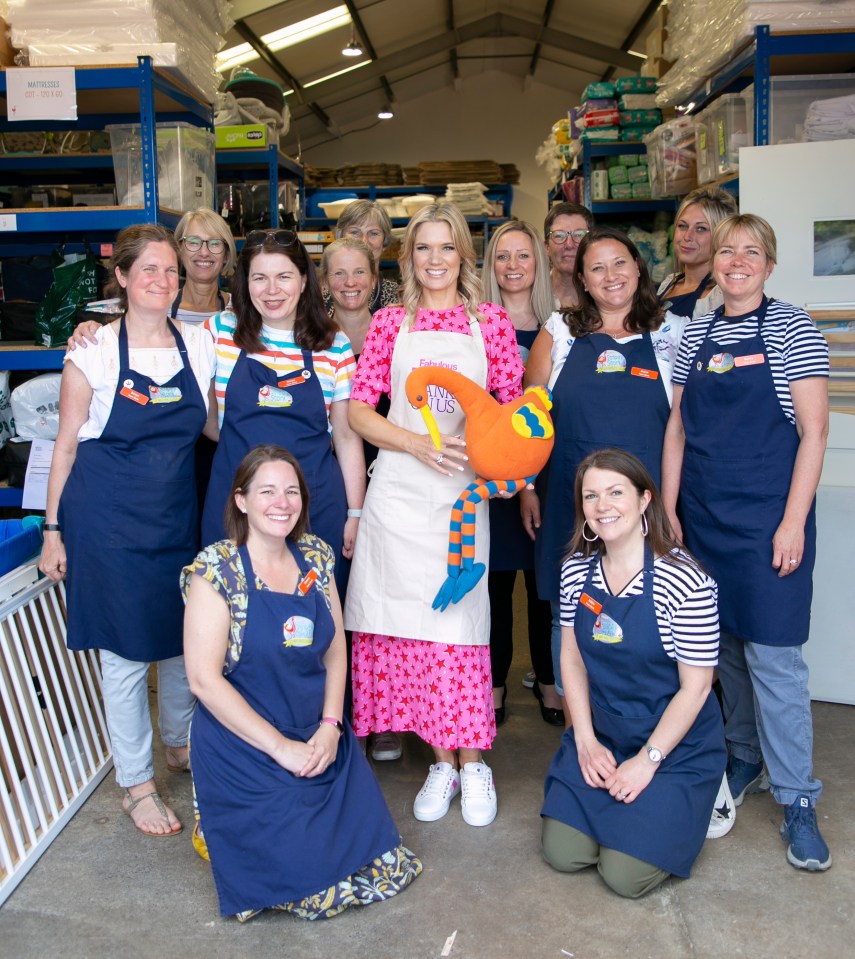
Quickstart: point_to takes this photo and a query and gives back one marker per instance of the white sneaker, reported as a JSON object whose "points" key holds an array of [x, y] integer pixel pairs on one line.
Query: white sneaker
{"points": [[386, 746], [724, 812], [479, 803], [434, 798]]}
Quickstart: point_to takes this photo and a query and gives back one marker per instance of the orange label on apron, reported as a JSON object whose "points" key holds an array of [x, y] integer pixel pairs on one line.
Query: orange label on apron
{"points": [[645, 374], [590, 603], [754, 360], [132, 394]]}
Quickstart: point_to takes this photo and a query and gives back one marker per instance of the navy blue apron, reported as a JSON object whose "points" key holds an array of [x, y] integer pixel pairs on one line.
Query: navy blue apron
{"points": [[511, 547], [685, 303], [607, 394], [737, 468], [129, 516], [263, 406], [176, 303], [273, 837], [631, 682]]}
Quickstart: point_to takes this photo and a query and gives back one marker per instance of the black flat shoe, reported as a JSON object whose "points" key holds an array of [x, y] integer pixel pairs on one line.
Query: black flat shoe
{"points": [[501, 716], [555, 717]]}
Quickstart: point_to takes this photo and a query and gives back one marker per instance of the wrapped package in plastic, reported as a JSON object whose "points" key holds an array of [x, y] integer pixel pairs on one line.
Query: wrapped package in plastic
{"points": [[704, 34], [672, 159]]}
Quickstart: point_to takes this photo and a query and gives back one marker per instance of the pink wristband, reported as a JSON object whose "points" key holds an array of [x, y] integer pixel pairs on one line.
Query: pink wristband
{"points": [[332, 721]]}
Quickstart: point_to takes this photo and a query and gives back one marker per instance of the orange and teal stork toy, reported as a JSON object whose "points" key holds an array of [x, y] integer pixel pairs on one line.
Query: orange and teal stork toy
{"points": [[507, 447]]}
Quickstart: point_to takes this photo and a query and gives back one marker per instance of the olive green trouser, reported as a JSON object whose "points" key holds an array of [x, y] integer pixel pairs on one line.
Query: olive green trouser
{"points": [[569, 850]]}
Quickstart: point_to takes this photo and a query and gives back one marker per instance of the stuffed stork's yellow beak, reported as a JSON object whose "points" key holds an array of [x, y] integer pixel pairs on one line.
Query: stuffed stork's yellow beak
{"points": [[432, 428]]}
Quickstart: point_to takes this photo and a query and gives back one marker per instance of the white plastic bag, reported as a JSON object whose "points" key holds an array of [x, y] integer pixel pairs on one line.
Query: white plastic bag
{"points": [[35, 407], [7, 423]]}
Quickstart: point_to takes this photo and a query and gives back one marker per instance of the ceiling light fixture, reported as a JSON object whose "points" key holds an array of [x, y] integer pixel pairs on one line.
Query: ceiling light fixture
{"points": [[353, 49], [386, 113]]}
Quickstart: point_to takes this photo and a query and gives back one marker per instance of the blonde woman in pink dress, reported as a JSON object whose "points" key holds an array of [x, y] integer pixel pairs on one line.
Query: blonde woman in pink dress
{"points": [[416, 669]]}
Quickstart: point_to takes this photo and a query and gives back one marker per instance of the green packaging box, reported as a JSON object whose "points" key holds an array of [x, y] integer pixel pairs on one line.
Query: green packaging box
{"points": [[241, 137]]}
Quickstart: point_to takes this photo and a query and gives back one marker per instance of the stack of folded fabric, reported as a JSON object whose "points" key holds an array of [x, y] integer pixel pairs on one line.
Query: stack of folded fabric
{"points": [[470, 198], [832, 119]]}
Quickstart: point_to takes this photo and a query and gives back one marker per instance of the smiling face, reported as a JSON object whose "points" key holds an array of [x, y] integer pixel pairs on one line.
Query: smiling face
{"points": [[203, 266], [350, 279], [514, 262], [741, 268], [610, 275], [152, 282], [272, 502], [436, 262], [370, 232], [612, 506], [563, 255], [275, 287], [693, 237]]}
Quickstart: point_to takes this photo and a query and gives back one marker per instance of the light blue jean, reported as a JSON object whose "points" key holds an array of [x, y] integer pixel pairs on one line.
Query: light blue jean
{"points": [[125, 686], [555, 640], [767, 713]]}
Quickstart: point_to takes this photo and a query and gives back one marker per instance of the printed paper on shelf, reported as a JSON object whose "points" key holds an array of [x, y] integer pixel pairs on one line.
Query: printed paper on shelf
{"points": [[41, 93]]}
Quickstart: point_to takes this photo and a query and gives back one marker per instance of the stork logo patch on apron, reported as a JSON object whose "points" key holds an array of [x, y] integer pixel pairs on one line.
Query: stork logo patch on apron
{"points": [[164, 394], [271, 396], [610, 361], [720, 363], [298, 631], [606, 630]]}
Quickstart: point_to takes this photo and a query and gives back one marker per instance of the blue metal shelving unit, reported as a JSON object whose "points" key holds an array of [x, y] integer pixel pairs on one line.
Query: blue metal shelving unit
{"points": [[591, 151], [37, 230], [754, 62]]}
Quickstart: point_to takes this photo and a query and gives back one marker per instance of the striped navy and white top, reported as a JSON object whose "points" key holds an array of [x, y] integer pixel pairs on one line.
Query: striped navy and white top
{"points": [[686, 601], [796, 348]]}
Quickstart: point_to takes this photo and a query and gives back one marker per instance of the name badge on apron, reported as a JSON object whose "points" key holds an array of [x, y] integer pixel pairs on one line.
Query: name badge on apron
{"points": [[753, 360], [295, 380], [644, 374], [130, 393]]}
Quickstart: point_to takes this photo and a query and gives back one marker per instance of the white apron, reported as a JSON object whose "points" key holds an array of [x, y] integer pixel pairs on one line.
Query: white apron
{"points": [[400, 559]]}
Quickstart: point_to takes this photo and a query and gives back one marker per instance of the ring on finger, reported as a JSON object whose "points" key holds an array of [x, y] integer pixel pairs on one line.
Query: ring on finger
{"points": [[794, 562], [439, 459]]}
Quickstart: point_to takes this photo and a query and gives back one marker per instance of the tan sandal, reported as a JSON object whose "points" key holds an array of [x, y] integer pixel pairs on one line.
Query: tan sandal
{"points": [[132, 804], [175, 765]]}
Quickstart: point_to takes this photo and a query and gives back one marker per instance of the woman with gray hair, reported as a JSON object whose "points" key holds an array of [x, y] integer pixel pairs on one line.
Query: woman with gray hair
{"points": [[366, 220]]}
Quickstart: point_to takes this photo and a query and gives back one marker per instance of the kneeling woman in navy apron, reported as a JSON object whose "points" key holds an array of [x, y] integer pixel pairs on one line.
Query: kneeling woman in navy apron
{"points": [[283, 376], [131, 410], [292, 815], [632, 786]]}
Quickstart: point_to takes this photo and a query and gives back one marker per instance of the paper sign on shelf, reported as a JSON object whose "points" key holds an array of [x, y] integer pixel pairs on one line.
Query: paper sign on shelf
{"points": [[36, 478], [8, 222], [41, 93]]}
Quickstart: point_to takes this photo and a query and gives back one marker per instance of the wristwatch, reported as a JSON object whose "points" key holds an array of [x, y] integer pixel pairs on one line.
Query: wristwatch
{"points": [[655, 755]]}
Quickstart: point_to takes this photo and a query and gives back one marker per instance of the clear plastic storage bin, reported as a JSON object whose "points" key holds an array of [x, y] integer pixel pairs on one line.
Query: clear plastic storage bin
{"points": [[185, 165], [671, 158], [799, 107], [720, 131]]}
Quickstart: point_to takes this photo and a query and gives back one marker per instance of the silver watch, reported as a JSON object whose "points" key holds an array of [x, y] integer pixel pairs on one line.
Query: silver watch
{"points": [[655, 755]]}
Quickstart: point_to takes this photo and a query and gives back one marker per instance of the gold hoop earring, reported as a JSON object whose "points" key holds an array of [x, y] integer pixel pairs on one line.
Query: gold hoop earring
{"points": [[584, 537]]}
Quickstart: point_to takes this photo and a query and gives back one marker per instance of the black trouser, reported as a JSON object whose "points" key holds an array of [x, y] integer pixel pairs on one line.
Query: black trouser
{"points": [[500, 585]]}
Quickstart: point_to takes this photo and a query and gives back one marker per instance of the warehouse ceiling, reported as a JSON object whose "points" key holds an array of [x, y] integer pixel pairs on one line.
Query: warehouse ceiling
{"points": [[414, 47]]}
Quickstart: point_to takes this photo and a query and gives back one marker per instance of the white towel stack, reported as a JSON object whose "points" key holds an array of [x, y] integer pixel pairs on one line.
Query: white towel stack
{"points": [[469, 197], [832, 119]]}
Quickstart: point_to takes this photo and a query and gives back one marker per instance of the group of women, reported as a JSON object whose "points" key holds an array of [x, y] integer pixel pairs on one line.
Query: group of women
{"points": [[640, 394]]}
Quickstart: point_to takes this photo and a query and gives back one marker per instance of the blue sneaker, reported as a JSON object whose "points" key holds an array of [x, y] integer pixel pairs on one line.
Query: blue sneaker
{"points": [[807, 849], [745, 779]]}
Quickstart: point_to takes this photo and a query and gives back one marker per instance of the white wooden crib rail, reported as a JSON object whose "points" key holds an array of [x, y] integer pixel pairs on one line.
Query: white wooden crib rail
{"points": [[54, 748]]}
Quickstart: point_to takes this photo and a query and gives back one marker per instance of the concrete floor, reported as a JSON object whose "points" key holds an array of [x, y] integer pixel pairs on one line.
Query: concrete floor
{"points": [[102, 890]]}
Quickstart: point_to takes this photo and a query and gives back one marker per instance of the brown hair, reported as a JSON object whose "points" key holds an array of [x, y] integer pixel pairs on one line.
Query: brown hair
{"points": [[566, 209], [313, 327], [645, 314], [756, 227], [128, 247], [236, 523], [659, 535], [360, 213]]}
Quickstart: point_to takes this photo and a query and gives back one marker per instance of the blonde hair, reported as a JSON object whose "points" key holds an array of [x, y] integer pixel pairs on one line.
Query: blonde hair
{"points": [[715, 203], [542, 297], [468, 282], [346, 243], [756, 227], [217, 226]]}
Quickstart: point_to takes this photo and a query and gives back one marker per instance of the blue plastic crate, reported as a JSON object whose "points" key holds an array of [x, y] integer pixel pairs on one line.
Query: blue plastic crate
{"points": [[20, 539]]}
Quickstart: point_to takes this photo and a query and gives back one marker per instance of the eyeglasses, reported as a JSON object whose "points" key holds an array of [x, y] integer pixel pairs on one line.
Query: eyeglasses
{"points": [[194, 243], [282, 237], [369, 234], [562, 236]]}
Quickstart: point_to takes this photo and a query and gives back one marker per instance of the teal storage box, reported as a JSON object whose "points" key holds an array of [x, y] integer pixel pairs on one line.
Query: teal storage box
{"points": [[20, 539]]}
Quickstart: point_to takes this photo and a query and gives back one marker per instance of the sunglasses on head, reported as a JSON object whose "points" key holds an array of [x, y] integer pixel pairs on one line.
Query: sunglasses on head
{"points": [[282, 237]]}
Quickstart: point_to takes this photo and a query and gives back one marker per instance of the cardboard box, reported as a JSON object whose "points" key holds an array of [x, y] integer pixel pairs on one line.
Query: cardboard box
{"points": [[241, 137]]}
